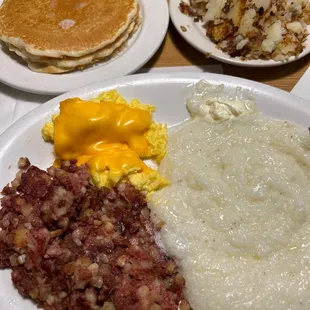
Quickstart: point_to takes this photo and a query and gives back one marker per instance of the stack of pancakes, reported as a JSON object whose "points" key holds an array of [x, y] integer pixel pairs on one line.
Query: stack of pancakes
{"points": [[56, 36]]}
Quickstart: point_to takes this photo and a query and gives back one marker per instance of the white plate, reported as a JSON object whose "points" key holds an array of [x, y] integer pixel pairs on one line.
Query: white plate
{"points": [[140, 48], [165, 91], [195, 35]]}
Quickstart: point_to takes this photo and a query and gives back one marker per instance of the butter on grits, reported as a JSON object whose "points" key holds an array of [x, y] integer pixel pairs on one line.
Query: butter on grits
{"points": [[112, 136]]}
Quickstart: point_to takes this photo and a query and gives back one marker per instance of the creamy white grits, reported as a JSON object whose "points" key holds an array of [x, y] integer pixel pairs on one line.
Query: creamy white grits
{"points": [[237, 212]]}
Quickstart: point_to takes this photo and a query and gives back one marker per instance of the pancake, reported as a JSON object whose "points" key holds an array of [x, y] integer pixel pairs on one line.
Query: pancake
{"points": [[43, 68], [72, 62], [53, 69], [57, 28]]}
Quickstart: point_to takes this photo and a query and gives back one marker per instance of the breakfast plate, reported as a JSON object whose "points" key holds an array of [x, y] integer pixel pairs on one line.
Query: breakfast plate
{"points": [[195, 34], [140, 48], [165, 91]]}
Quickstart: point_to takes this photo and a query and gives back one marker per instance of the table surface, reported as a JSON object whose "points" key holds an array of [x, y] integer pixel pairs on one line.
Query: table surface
{"points": [[175, 51]]}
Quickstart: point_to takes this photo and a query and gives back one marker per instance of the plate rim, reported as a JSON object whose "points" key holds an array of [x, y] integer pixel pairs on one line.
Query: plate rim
{"points": [[175, 14], [16, 128], [59, 84]]}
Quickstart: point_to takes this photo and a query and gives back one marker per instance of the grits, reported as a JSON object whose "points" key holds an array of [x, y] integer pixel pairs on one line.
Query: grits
{"points": [[237, 213]]}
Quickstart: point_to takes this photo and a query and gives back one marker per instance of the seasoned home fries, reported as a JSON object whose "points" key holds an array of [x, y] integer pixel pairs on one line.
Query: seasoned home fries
{"points": [[254, 29]]}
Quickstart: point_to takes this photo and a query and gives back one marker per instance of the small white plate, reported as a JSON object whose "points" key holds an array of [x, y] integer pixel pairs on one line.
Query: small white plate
{"points": [[166, 91], [140, 48], [195, 35]]}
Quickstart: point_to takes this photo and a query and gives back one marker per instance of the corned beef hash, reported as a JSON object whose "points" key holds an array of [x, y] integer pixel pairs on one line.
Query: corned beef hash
{"points": [[72, 245]]}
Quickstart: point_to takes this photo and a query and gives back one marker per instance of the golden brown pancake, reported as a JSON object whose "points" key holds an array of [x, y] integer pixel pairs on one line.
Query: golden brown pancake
{"points": [[51, 69], [43, 68], [71, 62], [57, 28], [54, 66]]}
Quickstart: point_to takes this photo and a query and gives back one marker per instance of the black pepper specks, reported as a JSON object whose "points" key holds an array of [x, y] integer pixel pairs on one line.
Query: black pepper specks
{"points": [[261, 11], [226, 8]]}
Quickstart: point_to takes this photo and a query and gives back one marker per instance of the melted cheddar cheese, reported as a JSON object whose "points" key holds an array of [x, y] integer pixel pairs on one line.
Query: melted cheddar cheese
{"points": [[112, 136]]}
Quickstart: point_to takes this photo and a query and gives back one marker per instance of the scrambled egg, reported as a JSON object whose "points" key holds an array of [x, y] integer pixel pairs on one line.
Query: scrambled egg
{"points": [[113, 137]]}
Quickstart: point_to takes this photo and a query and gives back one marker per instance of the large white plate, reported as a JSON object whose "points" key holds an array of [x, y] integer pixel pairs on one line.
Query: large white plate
{"points": [[195, 35], [140, 48], [166, 92]]}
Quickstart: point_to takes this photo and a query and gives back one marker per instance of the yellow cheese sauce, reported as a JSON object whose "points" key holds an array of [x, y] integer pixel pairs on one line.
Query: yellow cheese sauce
{"points": [[112, 136], [120, 159], [87, 127]]}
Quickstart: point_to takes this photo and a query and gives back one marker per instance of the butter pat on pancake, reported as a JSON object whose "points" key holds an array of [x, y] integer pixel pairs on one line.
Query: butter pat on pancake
{"points": [[57, 28]]}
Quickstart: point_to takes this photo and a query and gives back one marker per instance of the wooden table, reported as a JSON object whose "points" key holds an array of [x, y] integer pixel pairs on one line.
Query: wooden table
{"points": [[175, 51]]}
